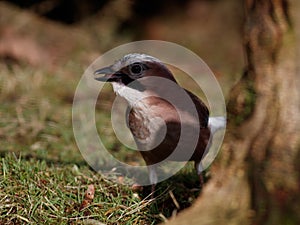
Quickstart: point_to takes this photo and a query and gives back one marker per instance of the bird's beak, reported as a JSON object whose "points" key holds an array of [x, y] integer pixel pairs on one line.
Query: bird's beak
{"points": [[109, 74]]}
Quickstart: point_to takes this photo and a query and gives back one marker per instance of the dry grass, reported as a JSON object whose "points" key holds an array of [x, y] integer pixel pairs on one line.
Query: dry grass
{"points": [[33, 192]]}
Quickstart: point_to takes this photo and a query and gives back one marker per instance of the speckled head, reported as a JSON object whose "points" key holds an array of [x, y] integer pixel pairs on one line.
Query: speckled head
{"points": [[134, 58], [133, 66]]}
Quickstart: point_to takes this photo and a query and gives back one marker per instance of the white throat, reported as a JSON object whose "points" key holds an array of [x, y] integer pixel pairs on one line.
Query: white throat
{"points": [[132, 96]]}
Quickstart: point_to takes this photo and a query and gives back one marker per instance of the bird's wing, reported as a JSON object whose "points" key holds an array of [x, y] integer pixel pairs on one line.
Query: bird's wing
{"points": [[202, 109]]}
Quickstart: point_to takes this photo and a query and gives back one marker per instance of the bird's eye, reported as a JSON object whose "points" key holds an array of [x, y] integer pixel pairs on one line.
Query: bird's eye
{"points": [[136, 69]]}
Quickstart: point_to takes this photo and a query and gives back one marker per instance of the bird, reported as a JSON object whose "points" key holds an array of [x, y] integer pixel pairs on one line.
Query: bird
{"points": [[155, 123]]}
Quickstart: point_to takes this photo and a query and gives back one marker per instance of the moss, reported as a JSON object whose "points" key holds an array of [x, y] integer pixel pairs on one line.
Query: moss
{"points": [[242, 103], [250, 99]]}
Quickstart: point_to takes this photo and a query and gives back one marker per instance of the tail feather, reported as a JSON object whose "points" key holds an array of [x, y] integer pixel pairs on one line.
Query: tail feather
{"points": [[216, 123]]}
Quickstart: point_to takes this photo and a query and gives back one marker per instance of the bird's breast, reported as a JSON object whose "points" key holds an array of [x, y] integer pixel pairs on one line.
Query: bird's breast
{"points": [[147, 127]]}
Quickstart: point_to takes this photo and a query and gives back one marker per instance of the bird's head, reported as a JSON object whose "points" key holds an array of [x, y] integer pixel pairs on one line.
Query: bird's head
{"points": [[132, 67]]}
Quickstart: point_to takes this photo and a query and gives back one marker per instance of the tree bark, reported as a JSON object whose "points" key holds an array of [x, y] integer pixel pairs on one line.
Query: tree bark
{"points": [[256, 178]]}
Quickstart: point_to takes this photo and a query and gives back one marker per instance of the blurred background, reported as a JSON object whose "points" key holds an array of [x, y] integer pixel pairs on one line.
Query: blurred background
{"points": [[45, 46], [58, 31]]}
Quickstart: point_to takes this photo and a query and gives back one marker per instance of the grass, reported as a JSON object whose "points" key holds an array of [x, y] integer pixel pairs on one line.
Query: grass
{"points": [[43, 177], [34, 192]]}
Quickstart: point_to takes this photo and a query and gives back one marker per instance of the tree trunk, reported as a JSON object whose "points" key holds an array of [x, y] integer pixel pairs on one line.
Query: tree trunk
{"points": [[256, 178]]}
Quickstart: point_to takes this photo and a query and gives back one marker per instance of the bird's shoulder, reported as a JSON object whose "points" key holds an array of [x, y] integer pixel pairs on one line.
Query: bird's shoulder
{"points": [[202, 109]]}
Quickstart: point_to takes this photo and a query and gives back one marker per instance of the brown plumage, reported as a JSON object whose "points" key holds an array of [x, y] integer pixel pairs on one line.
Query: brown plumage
{"points": [[158, 107], [162, 135]]}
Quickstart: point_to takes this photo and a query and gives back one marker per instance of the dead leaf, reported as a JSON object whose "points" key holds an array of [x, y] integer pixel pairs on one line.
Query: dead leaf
{"points": [[88, 197]]}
